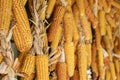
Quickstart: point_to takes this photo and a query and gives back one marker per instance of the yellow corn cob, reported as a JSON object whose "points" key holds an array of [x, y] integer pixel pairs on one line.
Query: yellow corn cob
{"points": [[28, 65], [50, 7], [110, 21], [97, 37], [57, 19], [31, 77], [42, 67], [68, 26], [58, 36], [61, 71], [90, 14], [88, 47], [76, 13], [1, 57], [94, 62], [102, 22], [108, 76], [81, 5], [24, 2], [5, 17], [69, 54], [82, 62], [107, 42], [109, 32], [112, 71], [86, 28], [22, 28], [76, 75], [100, 63], [115, 4], [116, 63]]}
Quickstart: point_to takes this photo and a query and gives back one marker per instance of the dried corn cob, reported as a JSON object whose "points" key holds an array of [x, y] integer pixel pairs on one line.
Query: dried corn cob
{"points": [[107, 76], [90, 14], [86, 28], [31, 77], [50, 7], [56, 41], [102, 22], [94, 61], [109, 32], [81, 5], [101, 63], [5, 17], [88, 47], [57, 19], [69, 54], [116, 63], [28, 65], [1, 57], [76, 75], [76, 13], [97, 36], [112, 71], [110, 21], [68, 26], [22, 28], [61, 71], [42, 67], [82, 62], [115, 4]]}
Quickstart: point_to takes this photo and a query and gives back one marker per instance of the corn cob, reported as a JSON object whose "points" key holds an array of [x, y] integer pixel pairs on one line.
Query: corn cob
{"points": [[90, 14], [22, 28], [86, 28], [109, 32], [68, 26], [94, 61], [100, 63], [88, 46], [76, 13], [97, 36], [110, 21], [50, 7], [102, 22], [31, 77], [61, 71], [112, 71], [56, 41], [42, 67], [5, 17], [57, 19], [115, 4], [28, 65], [76, 75], [82, 62], [1, 57], [69, 54], [81, 6], [116, 63], [107, 76]]}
